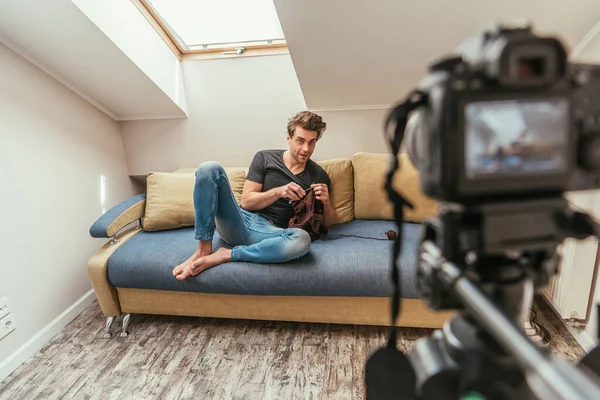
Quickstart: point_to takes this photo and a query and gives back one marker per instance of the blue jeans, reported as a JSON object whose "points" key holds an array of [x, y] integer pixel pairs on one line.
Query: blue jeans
{"points": [[253, 237]]}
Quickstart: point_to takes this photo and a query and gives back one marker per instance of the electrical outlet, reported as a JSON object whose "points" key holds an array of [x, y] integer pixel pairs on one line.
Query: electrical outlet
{"points": [[7, 325], [4, 310]]}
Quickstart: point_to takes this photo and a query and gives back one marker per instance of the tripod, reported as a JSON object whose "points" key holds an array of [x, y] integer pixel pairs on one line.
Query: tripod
{"points": [[482, 350], [462, 356]]}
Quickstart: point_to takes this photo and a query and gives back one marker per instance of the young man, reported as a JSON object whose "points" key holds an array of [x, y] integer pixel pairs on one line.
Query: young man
{"points": [[258, 230]]}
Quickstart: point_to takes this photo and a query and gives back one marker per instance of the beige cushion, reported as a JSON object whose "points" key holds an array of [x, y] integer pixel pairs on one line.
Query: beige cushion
{"points": [[370, 199], [169, 198], [236, 175], [342, 188]]}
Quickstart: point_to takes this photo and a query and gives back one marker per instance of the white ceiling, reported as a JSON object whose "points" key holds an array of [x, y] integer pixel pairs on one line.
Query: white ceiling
{"points": [[346, 53], [353, 53], [60, 39]]}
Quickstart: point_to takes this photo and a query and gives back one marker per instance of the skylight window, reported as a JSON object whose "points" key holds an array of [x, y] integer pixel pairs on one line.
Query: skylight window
{"points": [[205, 25]]}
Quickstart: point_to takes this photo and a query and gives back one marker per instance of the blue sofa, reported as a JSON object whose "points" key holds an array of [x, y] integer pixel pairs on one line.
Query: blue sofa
{"points": [[343, 279]]}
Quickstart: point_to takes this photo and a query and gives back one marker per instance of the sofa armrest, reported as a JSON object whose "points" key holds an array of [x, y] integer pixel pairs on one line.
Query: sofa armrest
{"points": [[119, 216], [97, 268]]}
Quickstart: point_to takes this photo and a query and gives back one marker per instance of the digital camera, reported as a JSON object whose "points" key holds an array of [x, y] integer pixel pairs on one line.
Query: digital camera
{"points": [[507, 117]]}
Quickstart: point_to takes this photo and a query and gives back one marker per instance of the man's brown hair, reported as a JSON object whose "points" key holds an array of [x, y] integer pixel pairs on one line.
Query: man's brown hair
{"points": [[308, 121]]}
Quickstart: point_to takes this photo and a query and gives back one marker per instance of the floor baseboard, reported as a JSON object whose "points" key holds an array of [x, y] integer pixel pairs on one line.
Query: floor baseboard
{"points": [[34, 344], [585, 339], [570, 334]]}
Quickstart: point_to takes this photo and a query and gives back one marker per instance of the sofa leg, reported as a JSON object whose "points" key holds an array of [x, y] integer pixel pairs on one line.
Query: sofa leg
{"points": [[536, 333], [125, 325], [109, 322]]}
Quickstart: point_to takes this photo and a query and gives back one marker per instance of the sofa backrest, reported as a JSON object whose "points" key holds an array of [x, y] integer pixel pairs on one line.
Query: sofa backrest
{"points": [[357, 191], [169, 197], [370, 198]]}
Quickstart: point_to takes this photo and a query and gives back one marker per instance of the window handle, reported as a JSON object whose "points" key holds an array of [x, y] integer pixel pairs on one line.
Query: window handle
{"points": [[238, 50]]}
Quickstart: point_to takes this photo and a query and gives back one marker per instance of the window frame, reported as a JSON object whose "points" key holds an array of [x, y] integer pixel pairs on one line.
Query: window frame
{"points": [[183, 53]]}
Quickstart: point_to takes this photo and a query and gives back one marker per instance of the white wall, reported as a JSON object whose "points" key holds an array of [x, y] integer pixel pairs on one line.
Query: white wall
{"points": [[125, 25], [235, 108], [588, 50], [351, 131], [71, 48], [54, 150]]}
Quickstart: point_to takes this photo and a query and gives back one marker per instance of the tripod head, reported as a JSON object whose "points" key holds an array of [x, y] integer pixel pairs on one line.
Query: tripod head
{"points": [[496, 245], [487, 262], [503, 252]]}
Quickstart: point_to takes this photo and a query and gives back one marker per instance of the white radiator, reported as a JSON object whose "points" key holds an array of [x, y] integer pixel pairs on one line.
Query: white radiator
{"points": [[570, 291]]}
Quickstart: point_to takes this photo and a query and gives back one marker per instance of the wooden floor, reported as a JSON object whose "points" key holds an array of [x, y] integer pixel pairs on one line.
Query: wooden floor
{"points": [[203, 358]]}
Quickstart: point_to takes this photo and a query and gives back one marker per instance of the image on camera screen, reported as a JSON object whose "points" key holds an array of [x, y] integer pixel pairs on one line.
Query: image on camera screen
{"points": [[515, 137]]}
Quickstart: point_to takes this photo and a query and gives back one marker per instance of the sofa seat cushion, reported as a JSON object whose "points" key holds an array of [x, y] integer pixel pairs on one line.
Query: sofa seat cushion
{"points": [[346, 266]]}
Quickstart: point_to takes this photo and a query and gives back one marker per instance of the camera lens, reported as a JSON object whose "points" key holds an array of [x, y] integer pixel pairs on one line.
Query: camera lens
{"points": [[414, 136]]}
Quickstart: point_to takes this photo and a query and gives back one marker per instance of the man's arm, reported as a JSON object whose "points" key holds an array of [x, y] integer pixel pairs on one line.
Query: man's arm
{"points": [[252, 196], [322, 193], [254, 199], [329, 215]]}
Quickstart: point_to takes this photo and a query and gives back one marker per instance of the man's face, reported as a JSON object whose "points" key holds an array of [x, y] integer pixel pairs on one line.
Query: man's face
{"points": [[302, 144]]}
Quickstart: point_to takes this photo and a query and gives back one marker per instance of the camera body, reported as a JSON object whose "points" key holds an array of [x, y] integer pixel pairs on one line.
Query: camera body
{"points": [[507, 118]]}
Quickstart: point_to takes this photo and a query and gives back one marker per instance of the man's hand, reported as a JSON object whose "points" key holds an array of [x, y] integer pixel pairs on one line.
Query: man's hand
{"points": [[291, 191], [321, 192]]}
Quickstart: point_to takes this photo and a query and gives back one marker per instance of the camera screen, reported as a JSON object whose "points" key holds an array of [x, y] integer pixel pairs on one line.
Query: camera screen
{"points": [[516, 137]]}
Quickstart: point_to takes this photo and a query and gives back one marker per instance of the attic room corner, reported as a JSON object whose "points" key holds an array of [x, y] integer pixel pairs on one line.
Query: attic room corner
{"points": [[271, 199], [63, 162]]}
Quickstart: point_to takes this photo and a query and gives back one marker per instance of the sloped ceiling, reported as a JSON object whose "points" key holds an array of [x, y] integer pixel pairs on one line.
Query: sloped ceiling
{"points": [[60, 39], [357, 53]]}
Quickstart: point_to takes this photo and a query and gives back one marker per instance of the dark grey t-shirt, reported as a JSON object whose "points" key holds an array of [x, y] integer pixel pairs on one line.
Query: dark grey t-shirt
{"points": [[268, 169]]}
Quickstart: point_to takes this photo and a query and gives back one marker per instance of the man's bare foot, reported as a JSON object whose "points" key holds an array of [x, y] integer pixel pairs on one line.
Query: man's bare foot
{"points": [[204, 249], [220, 256]]}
